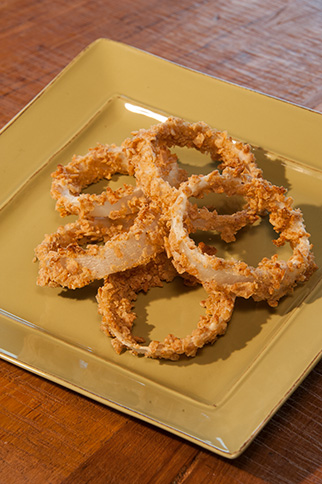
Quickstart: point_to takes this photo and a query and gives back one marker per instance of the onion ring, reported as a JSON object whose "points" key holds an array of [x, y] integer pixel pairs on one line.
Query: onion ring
{"points": [[102, 162], [137, 237], [115, 304], [273, 278], [70, 265], [150, 168], [64, 262]]}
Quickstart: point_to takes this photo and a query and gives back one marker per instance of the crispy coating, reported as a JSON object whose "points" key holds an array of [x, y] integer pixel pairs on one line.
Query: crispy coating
{"points": [[65, 261], [272, 278], [237, 173], [150, 167], [116, 300], [100, 162], [138, 237]]}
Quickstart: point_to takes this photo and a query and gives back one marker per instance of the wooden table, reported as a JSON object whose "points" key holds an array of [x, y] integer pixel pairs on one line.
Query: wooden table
{"points": [[51, 435]]}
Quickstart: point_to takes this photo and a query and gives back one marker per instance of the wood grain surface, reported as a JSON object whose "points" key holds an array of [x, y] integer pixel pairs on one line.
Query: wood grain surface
{"points": [[52, 435]]}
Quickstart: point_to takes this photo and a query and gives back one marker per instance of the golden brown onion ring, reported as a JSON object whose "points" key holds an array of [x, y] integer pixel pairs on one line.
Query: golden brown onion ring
{"points": [[272, 278], [100, 162], [116, 300], [64, 261], [151, 168]]}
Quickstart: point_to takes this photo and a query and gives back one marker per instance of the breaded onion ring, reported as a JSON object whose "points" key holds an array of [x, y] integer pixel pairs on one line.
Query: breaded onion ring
{"points": [[272, 278], [150, 168], [137, 237], [116, 300], [63, 260], [102, 162]]}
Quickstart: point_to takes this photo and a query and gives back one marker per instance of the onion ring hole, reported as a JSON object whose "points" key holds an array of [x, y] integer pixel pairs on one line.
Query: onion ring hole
{"points": [[155, 310]]}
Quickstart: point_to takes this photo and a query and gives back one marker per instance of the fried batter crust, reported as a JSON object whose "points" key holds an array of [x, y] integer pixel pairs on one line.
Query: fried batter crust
{"points": [[137, 237], [116, 301]]}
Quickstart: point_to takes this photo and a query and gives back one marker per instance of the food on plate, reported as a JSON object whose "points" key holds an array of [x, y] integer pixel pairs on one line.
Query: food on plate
{"points": [[139, 236], [100, 162], [115, 302], [65, 261], [150, 167], [272, 278]]}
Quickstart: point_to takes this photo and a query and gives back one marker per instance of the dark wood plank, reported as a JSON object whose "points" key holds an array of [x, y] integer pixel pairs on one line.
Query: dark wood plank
{"points": [[137, 453], [46, 430]]}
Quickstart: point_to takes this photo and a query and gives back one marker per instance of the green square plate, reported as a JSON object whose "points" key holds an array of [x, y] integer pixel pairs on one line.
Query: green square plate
{"points": [[223, 397]]}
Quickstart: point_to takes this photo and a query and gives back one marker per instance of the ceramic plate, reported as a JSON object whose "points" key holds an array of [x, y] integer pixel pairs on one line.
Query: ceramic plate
{"points": [[223, 397]]}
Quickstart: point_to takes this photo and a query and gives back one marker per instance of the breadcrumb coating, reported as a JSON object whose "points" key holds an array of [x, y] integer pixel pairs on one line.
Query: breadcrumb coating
{"points": [[138, 237]]}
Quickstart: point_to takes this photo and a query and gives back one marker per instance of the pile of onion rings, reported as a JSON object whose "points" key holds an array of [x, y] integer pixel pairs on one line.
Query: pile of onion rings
{"points": [[138, 237]]}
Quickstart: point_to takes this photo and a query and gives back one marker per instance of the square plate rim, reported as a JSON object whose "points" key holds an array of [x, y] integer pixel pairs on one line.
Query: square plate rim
{"points": [[233, 451]]}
